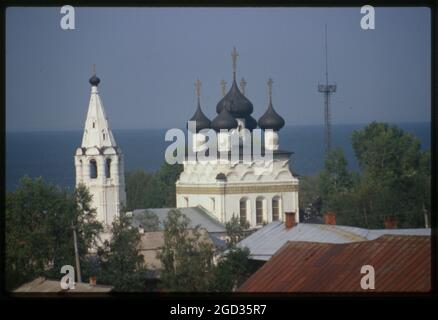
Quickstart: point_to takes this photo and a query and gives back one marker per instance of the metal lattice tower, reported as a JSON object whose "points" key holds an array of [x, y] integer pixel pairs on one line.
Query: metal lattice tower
{"points": [[327, 90]]}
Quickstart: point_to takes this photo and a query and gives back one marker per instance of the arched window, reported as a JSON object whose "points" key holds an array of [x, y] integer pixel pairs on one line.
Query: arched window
{"points": [[275, 208], [93, 169], [243, 211], [108, 168], [259, 210]]}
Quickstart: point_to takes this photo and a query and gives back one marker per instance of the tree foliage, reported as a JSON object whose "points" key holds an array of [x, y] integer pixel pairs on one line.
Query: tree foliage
{"points": [[149, 221], [146, 190], [121, 264], [232, 269], [310, 201], [139, 184], [236, 231], [187, 258], [394, 179], [39, 238]]}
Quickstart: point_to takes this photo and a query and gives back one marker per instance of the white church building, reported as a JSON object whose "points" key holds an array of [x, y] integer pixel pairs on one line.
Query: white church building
{"points": [[99, 161], [228, 188], [222, 188]]}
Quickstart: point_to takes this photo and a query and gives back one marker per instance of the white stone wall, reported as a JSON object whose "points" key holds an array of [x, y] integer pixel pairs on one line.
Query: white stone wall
{"points": [[231, 203], [108, 194], [202, 175]]}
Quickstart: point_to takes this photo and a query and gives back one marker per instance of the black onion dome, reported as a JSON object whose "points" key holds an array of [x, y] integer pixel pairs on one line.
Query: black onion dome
{"points": [[236, 103], [94, 81], [271, 119], [224, 120], [202, 122], [250, 123]]}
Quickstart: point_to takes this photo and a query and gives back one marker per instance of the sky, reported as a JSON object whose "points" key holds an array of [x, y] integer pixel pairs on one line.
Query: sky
{"points": [[149, 58]]}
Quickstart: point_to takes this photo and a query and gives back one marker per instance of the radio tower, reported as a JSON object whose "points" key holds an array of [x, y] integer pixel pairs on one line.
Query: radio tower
{"points": [[327, 90]]}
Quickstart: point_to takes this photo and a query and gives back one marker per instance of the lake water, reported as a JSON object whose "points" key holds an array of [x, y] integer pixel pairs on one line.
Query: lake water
{"points": [[50, 154]]}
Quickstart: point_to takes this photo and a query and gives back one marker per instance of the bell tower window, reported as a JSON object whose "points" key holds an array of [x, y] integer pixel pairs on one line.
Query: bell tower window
{"points": [[93, 169], [108, 168]]}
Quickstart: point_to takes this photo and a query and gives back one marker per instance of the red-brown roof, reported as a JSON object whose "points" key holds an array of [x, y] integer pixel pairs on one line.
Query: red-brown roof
{"points": [[401, 264]]}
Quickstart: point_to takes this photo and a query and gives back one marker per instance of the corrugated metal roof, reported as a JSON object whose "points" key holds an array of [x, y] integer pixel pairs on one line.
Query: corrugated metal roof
{"points": [[401, 263], [197, 216], [267, 240]]}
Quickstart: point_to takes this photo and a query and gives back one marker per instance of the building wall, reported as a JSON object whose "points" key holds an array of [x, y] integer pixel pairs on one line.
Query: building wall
{"points": [[225, 206], [108, 194], [197, 186]]}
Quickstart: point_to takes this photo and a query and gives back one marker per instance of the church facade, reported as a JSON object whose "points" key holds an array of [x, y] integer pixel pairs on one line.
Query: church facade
{"points": [[239, 188], [99, 161]]}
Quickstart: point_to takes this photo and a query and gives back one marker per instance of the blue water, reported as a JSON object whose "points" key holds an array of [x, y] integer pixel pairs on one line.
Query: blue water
{"points": [[50, 154]]}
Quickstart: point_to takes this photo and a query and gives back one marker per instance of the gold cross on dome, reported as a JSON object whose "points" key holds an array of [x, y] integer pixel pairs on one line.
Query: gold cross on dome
{"points": [[234, 55], [243, 85], [270, 82], [198, 88], [223, 86]]}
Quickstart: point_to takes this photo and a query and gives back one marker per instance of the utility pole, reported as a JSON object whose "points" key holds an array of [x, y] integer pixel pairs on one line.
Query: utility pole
{"points": [[327, 90], [78, 265]]}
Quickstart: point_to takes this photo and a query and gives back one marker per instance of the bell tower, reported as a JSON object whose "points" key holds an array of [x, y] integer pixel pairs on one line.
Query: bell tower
{"points": [[99, 161]]}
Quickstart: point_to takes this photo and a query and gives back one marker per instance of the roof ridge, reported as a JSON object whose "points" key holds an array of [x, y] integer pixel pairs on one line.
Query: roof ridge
{"points": [[208, 214], [342, 232]]}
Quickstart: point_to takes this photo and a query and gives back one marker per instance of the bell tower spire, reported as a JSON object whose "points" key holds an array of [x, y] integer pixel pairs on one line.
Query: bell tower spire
{"points": [[99, 161]]}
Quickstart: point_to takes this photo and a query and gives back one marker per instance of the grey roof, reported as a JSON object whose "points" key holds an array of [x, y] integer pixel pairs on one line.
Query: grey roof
{"points": [[267, 240], [197, 216]]}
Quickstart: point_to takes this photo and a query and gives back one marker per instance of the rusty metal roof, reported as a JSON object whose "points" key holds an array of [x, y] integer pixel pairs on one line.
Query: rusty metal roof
{"points": [[263, 243], [401, 263]]}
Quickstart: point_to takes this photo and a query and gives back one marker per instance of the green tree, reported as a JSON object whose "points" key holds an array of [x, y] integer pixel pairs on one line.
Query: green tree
{"points": [[236, 231], [187, 256], [139, 184], [395, 175], [145, 190], [121, 264], [39, 238], [232, 269], [310, 199], [335, 180], [149, 221], [164, 185]]}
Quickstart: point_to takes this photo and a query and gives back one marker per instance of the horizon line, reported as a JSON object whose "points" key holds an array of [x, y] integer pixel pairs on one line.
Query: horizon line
{"points": [[167, 128]]}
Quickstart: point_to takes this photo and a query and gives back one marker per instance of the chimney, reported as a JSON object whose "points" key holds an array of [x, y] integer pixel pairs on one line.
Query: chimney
{"points": [[93, 281], [290, 220], [330, 218], [390, 222]]}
